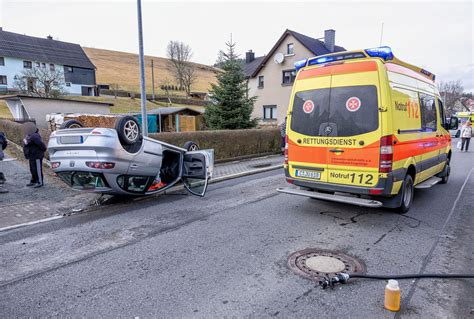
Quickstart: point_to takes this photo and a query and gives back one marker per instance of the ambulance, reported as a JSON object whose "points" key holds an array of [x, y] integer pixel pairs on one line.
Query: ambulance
{"points": [[365, 128]]}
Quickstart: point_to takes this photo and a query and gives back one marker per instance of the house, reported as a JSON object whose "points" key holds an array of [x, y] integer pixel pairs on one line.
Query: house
{"points": [[271, 77], [33, 108], [21, 52]]}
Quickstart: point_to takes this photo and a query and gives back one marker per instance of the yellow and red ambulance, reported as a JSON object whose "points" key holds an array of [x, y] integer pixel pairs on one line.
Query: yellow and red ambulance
{"points": [[365, 128]]}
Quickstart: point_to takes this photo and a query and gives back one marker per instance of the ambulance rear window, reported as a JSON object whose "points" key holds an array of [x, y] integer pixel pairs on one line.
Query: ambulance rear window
{"points": [[339, 111]]}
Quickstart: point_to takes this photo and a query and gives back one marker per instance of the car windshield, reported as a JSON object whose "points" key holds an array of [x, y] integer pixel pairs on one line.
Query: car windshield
{"points": [[83, 180], [338, 111]]}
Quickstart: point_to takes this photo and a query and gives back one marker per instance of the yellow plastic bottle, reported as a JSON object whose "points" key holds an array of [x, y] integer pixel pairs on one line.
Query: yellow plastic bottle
{"points": [[392, 296]]}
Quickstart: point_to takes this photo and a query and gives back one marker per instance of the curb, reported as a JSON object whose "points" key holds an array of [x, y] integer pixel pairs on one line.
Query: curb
{"points": [[175, 189]]}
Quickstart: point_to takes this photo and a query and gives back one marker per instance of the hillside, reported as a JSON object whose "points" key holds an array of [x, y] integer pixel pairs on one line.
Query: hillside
{"points": [[122, 68]]}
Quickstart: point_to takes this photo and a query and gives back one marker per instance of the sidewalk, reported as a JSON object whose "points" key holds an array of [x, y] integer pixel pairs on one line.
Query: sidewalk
{"points": [[23, 205]]}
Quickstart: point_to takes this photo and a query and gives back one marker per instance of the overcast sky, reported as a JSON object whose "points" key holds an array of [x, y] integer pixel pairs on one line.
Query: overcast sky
{"points": [[437, 36]]}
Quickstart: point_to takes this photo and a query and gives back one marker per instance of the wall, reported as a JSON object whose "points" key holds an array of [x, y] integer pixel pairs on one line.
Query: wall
{"points": [[38, 108], [274, 92]]}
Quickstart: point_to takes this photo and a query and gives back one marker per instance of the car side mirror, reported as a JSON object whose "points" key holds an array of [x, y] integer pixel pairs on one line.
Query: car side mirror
{"points": [[453, 123]]}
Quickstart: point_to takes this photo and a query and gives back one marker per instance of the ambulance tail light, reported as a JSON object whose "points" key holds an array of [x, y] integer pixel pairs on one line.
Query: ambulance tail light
{"points": [[386, 154], [286, 150]]}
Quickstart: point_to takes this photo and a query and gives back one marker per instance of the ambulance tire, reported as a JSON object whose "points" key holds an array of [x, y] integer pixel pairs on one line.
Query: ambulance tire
{"points": [[408, 191], [446, 173]]}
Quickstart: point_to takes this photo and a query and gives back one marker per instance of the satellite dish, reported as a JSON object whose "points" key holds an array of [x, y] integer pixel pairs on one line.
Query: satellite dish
{"points": [[279, 58]]}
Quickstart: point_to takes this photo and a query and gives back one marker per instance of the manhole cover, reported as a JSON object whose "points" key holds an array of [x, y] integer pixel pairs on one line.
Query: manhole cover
{"points": [[315, 263]]}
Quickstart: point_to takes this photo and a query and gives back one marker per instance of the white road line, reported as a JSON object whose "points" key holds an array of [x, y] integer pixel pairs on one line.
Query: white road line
{"points": [[34, 222]]}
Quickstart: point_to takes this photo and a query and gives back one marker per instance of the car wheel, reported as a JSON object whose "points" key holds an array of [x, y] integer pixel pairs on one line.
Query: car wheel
{"points": [[128, 130], [408, 191], [446, 173], [191, 146], [71, 124]]}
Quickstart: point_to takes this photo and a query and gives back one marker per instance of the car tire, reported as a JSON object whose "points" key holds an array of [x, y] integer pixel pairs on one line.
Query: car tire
{"points": [[191, 146], [446, 172], [408, 191], [128, 130], [71, 124]]}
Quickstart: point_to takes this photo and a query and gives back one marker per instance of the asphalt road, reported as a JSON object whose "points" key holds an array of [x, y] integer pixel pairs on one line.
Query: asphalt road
{"points": [[226, 255]]}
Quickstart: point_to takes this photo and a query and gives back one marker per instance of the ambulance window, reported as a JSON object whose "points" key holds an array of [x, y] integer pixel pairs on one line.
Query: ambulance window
{"points": [[310, 111], [353, 110], [428, 112]]}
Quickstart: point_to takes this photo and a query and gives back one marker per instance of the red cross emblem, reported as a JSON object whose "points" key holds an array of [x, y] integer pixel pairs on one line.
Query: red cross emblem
{"points": [[353, 104], [308, 106]]}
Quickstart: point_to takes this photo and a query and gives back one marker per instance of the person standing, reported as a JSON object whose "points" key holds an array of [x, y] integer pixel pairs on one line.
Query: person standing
{"points": [[34, 149], [466, 134], [3, 146], [283, 135]]}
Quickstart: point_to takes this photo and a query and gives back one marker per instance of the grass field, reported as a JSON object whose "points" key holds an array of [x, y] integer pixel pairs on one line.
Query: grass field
{"points": [[122, 68]]}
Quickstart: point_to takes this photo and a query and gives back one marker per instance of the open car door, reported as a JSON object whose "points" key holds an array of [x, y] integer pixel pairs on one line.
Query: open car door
{"points": [[197, 170]]}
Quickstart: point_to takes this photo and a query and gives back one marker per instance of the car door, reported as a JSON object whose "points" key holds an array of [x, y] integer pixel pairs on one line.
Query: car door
{"points": [[197, 170]]}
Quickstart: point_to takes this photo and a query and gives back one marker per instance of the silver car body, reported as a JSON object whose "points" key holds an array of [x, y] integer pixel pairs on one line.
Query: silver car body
{"points": [[72, 149]]}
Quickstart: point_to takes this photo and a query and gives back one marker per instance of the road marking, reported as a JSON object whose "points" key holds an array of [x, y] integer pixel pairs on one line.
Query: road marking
{"points": [[427, 259], [34, 222]]}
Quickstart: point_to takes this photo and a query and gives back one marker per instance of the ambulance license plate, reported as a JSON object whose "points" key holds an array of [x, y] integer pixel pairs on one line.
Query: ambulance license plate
{"points": [[308, 174]]}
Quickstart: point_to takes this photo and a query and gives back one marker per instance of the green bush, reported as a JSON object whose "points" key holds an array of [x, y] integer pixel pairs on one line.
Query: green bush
{"points": [[228, 144]]}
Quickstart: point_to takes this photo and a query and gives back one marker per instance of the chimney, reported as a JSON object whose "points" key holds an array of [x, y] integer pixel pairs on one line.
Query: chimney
{"points": [[329, 39], [249, 56], [49, 37]]}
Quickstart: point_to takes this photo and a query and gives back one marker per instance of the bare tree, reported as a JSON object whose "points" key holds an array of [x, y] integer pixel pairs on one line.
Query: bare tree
{"points": [[189, 77], [180, 55], [166, 86], [42, 82], [115, 88], [451, 91]]}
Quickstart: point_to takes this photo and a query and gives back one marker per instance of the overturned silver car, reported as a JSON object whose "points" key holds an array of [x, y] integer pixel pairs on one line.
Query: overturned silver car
{"points": [[122, 161]]}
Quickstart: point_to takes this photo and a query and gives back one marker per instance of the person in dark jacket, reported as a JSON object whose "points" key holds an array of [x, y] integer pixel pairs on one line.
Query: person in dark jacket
{"points": [[34, 149], [3, 146]]}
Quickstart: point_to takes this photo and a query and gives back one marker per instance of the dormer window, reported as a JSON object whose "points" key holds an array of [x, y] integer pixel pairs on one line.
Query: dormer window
{"points": [[290, 49]]}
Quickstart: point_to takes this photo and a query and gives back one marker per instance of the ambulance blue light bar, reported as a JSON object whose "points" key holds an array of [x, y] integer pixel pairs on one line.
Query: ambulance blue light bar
{"points": [[300, 64], [381, 52]]}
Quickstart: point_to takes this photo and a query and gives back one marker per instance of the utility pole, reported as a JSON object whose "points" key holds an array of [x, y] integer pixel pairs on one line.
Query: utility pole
{"points": [[141, 59], [152, 81]]}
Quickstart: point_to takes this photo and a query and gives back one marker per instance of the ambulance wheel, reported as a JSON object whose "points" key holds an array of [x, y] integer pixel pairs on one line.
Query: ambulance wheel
{"points": [[446, 172], [408, 191]]}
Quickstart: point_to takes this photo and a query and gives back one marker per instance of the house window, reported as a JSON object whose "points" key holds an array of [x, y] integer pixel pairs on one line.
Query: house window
{"points": [[3, 80], [68, 83], [43, 65], [51, 67], [2, 60], [290, 49], [288, 77], [27, 64], [269, 112], [260, 82], [37, 64]]}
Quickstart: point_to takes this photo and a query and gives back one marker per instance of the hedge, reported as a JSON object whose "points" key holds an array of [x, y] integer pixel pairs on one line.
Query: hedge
{"points": [[14, 132], [227, 144]]}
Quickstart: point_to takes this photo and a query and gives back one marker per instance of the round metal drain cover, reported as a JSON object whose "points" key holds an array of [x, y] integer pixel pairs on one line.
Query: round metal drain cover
{"points": [[316, 263]]}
